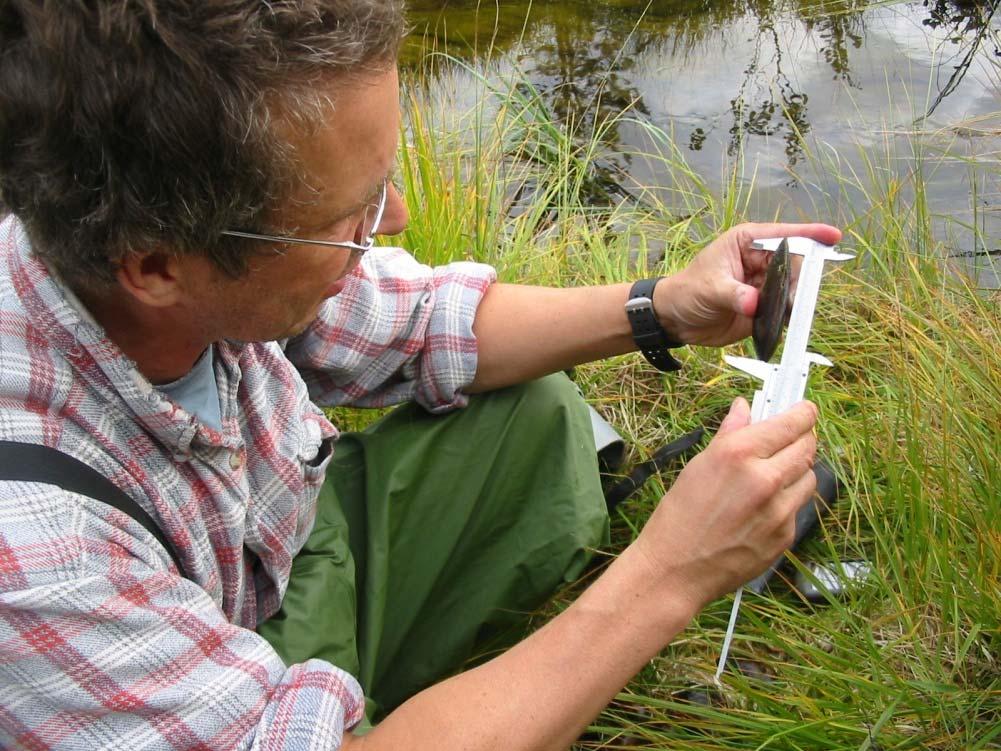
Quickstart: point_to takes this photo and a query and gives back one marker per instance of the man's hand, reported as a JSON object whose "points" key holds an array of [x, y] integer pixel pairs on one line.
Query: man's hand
{"points": [[732, 511], [712, 301]]}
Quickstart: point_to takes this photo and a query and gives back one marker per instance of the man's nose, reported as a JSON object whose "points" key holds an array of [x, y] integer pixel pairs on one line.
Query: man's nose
{"points": [[395, 217]]}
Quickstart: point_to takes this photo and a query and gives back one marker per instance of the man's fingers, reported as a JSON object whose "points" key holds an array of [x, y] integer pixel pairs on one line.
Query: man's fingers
{"points": [[822, 233], [785, 506], [796, 459], [738, 417], [794, 497], [774, 434]]}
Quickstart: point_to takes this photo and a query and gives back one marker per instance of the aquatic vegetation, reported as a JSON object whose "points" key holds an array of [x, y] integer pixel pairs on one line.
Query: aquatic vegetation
{"points": [[911, 410], [910, 416]]}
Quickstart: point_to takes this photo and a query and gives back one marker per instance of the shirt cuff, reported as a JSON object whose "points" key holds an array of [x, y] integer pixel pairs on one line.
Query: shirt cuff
{"points": [[449, 360]]}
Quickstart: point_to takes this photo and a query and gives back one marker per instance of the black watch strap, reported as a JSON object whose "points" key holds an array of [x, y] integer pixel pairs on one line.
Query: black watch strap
{"points": [[648, 334]]}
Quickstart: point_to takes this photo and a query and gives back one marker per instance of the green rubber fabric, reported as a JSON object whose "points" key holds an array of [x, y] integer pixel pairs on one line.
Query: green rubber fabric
{"points": [[436, 536]]}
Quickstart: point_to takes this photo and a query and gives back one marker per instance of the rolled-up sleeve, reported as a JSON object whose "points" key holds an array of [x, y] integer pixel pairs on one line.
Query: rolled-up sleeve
{"points": [[101, 646], [399, 331]]}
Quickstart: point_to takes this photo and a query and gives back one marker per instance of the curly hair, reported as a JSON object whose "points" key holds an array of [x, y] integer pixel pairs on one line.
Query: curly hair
{"points": [[130, 125]]}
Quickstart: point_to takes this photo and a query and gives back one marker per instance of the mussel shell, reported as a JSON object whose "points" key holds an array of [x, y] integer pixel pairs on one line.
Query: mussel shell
{"points": [[773, 302]]}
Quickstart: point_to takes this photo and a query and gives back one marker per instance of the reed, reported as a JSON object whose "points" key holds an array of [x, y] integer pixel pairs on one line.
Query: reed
{"points": [[910, 414]]}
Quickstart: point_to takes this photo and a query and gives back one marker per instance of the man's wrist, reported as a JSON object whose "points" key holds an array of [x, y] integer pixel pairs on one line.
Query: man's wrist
{"points": [[648, 332], [637, 585], [669, 290]]}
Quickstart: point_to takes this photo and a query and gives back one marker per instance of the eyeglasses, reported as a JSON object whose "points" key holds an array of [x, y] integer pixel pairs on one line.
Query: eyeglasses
{"points": [[370, 226]]}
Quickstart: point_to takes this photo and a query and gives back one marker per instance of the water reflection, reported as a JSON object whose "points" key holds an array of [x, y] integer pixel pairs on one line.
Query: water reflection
{"points": [[581, 54], [966, 24], [767, 103], [767, 79]]}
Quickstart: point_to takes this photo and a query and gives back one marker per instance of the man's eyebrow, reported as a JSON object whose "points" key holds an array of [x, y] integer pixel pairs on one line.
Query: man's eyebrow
{"points": [[370, 198]]}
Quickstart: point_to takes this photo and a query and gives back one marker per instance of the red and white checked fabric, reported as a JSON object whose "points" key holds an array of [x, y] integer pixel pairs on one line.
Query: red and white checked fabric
{"points": [[102, 644]]}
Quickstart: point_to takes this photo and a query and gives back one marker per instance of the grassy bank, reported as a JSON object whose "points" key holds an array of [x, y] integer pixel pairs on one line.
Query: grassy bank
{"points": [[911, 414]]}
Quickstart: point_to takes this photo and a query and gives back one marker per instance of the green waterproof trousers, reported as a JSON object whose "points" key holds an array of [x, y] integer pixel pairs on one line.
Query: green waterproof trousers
{"points": [[436, 534]]}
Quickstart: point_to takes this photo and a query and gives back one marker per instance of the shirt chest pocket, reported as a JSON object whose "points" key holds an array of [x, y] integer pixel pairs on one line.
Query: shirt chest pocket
{"points": [[313, 458], [314, 469], [285, 479], [314, 454]]}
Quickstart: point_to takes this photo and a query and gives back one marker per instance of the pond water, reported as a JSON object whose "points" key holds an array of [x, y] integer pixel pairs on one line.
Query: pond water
{"points": [[857, 85]]}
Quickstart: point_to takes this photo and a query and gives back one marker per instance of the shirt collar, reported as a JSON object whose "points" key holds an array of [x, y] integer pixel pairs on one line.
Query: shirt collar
{"points": [[68, 327]]}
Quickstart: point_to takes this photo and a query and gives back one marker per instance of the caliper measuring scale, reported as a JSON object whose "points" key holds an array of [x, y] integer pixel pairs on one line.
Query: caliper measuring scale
{"points": [[784, 384]]}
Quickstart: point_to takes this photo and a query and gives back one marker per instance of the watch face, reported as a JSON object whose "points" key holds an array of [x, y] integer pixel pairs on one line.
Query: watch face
{"points": [[773, 302]]}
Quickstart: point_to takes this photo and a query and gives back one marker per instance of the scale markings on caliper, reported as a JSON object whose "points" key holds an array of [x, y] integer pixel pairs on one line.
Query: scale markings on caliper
{"points": [[785, 384]]}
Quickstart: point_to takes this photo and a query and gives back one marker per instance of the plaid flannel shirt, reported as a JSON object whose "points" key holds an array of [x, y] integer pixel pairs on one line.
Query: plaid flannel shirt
{"points": [[102, 643]]}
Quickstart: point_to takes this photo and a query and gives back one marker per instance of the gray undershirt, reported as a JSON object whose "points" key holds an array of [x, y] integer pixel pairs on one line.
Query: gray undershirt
{"points": [[197, 391]]}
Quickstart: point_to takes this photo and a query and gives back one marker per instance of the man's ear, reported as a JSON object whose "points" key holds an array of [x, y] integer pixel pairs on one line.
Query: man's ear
{"points": [[154, 278]]}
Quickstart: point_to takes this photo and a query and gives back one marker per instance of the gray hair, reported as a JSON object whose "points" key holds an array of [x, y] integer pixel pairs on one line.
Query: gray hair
{"points": [[132, 125]]}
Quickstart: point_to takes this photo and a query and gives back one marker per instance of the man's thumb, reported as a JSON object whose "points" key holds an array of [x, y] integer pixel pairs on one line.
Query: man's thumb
{"points": [[744, 299], [738, 417]]}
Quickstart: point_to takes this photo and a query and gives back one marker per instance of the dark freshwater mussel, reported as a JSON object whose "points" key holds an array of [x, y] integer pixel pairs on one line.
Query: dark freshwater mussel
{"points": [[772, 304]]}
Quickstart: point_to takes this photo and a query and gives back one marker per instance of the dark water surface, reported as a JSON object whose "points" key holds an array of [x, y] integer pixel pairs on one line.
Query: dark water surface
{"points": [[857, 86]]}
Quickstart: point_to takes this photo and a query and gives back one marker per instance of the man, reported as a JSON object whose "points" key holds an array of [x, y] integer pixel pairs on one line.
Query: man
{"points": [[170, 314]]}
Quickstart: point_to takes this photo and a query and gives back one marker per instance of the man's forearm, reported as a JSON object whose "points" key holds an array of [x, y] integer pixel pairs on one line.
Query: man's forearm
{"points": [[542, 693], [528, 332]]}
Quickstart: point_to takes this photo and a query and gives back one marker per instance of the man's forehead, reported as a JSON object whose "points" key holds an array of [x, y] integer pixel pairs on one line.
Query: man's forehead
{"points": [[346, 157], [324, 206]]}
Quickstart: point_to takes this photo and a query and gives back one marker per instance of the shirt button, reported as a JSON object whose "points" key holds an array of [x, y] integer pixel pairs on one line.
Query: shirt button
{"points": [[235, 461]]}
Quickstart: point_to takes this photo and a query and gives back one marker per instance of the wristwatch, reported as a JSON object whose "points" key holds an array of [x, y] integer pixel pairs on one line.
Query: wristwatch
{"points": [[648, 334]]}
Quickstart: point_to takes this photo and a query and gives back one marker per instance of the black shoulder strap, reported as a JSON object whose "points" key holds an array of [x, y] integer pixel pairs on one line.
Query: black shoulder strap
{"points": [[29, 462]]}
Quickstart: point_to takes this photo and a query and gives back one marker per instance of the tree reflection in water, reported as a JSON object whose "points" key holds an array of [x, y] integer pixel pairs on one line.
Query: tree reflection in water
{"points": [[583, 57]]}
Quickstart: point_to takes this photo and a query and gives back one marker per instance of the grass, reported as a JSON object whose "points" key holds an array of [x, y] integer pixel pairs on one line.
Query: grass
{"points": [[911, 414]]}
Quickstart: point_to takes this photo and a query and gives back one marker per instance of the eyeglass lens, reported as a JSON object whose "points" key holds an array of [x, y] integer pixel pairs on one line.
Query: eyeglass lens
{"points": [[373, 216]]}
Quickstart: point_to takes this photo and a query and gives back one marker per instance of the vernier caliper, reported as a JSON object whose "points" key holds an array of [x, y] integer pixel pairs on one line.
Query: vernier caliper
{"points": [[784, 384]]}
